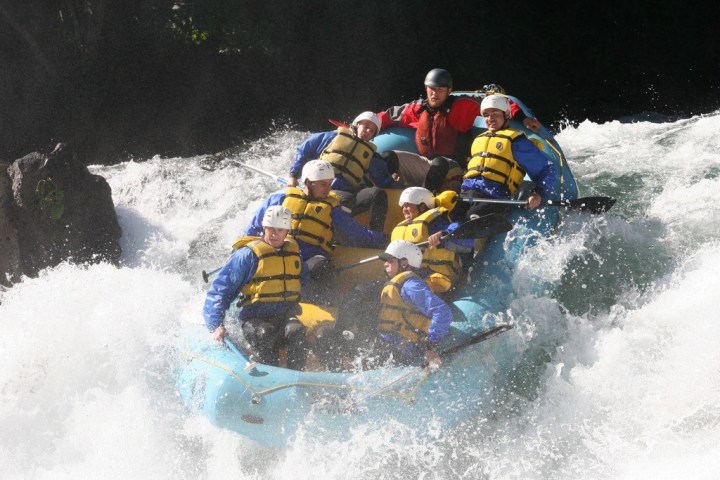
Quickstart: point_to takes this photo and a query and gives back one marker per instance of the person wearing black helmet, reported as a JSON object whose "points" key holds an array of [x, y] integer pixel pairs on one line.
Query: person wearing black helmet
{"points": [[442, 124]]}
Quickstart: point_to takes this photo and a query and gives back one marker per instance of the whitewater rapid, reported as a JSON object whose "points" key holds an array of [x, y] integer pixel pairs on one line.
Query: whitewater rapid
{"points": [[621, 369]]}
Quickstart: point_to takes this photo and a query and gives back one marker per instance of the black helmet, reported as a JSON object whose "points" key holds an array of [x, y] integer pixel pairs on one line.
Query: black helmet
{"points": [[438, 77]]}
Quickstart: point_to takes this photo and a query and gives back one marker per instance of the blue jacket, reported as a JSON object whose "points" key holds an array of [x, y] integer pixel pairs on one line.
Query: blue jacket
{"points": [[416, 292], [227, 285], [313, 147], [358, 236], [538, 167]]}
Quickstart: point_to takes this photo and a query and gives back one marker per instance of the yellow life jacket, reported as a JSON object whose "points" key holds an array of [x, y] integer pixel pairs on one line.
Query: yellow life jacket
{"points": [[242, 241], [277, 278], [447, 199], [492, 158], [311, 218], [349, 155], [398, 316], [440, 260]]}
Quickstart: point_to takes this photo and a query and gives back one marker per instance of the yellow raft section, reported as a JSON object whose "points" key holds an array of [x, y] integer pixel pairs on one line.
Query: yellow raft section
{"points": [[314, 316]]}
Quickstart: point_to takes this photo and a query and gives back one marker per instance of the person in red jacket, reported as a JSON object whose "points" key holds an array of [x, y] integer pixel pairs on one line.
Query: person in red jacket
{"points": [[442, 126]]}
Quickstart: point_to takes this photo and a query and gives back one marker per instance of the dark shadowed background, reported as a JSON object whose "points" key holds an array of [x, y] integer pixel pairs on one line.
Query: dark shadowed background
{"points": [[137, 78]]}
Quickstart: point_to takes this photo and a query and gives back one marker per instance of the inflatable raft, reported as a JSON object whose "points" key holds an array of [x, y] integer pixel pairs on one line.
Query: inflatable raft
{"points": [[273, 405]]}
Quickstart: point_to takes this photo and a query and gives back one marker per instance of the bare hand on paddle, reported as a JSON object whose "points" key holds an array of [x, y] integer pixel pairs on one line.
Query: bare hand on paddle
{"points": [[533, 201], [532, 123], [432, 360], [434, 239]]}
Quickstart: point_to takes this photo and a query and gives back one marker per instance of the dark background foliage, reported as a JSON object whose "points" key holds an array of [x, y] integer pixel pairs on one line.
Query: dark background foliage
{"points": [[178, 77]]}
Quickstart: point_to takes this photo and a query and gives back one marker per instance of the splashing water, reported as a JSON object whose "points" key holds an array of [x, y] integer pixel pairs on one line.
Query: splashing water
{"points": [[620, 371]]}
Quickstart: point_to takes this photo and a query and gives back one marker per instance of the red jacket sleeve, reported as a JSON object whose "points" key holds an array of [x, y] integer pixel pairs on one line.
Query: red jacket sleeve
{"points": [[402, 116], [516, 112], [463, 113]]}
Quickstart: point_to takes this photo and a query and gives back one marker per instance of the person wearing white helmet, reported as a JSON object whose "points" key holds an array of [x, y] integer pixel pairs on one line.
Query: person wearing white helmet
{"points": [[264, 276], [360, 174], [412, 321], [317, 217], [366, 125], [443, 125], [407, 324], [424, 221], [501, 157]]}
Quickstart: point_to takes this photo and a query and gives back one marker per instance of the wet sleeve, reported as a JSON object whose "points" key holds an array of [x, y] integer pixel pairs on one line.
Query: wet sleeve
{"points": [[227, 285], [417, 292], [540, 169], [392, 116], [310, 149]]}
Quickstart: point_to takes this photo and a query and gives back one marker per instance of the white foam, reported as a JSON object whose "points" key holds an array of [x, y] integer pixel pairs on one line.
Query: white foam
{"points": [[618, 370]]}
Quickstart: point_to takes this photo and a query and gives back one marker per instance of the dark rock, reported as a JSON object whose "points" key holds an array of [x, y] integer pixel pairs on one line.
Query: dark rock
{"points": [[9, 248], [52, 209]]}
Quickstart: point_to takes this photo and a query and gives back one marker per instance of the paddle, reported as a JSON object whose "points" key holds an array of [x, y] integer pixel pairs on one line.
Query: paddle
{"points": [[206, 275], [233, 348], [338, 123], [484, 226], [480, 337], [264, 172], [586, 204], [250, 367]]}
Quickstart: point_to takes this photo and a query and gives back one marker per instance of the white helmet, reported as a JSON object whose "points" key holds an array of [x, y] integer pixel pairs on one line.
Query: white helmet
{"points": [[277, 216], [416, 196], [370, 116], [315, 170], [398, 249], [495, 101]]}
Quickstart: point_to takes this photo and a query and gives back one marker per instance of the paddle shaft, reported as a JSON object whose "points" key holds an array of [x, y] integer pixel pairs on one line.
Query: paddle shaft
{"points": [[233, 348], [264, 172], [496, 330], [206, 275], [377, 257], [592, 204], [480, 337]]}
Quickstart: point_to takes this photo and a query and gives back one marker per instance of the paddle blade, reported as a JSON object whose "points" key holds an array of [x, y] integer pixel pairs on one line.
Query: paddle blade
{"points": [[484, 226], [587, 204]]}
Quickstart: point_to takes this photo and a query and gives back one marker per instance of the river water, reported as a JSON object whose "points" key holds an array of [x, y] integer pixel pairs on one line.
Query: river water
{"points": [[620, 373]]}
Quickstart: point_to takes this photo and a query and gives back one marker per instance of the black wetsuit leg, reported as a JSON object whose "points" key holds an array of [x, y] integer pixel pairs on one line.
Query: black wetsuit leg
{"points": [[373, 199], [439, 168]]}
